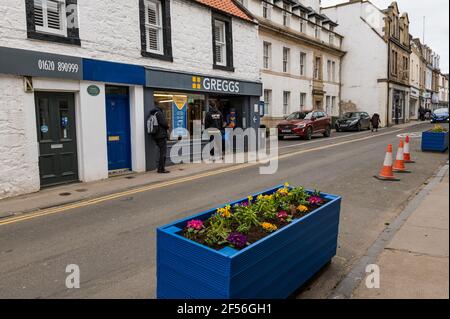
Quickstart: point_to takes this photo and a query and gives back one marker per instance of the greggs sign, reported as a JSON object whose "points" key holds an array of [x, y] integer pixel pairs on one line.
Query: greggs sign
{"points": [[215, 85], [163, 79]]}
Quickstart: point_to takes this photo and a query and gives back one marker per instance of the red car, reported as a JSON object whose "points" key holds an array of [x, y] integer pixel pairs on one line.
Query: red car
{"points": [[305, 124]]}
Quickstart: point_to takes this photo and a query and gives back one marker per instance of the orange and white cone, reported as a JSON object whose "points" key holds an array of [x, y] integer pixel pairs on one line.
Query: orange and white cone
{"points": [[407, 152], [387, 173], [399, 165]]}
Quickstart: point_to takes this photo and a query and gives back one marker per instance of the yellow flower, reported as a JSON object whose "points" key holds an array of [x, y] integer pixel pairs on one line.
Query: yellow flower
{"points": [[250, 198], [283, 191], [269, 227], [225, 212], [302, 208], [260, 197], [286, 184]]}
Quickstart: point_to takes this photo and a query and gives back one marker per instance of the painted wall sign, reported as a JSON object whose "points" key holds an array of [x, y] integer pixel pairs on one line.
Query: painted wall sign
{"points": [[93, 90], [179, 116], [199, 83], [33, 63], [44, 129]]}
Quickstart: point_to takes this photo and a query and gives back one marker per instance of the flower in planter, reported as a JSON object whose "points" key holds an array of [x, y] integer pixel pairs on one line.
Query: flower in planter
{"points": [[302, 208], [315, 200], [195, 224], [250, 200], [283, 215], [238, 240], [286, 185], [225, 211], [269, 227], [283, 191]]}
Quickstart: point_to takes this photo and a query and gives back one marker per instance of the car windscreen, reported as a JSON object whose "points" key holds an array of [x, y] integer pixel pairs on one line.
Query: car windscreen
{"points": [[352, 115], [296, 116], [441, 112], [309, 116]]}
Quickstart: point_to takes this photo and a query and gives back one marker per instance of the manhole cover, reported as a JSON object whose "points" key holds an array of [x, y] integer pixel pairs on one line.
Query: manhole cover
{"points": [[82, 190], [65, 194]]}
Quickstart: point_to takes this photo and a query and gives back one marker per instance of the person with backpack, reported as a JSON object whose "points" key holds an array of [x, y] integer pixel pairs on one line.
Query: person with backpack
{"points": [[158, 127]]}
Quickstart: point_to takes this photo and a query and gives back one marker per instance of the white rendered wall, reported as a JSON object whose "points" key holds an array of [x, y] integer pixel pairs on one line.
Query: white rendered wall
{"points": [[19, 170], [365, 62]]}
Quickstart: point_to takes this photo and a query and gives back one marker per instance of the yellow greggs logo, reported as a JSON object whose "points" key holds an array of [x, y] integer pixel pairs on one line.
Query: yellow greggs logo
{"points": [[196, 83]]}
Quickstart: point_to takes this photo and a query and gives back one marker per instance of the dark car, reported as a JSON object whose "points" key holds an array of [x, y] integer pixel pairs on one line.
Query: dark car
{"points": [[305, 124], [353, 121], [440, 116]]}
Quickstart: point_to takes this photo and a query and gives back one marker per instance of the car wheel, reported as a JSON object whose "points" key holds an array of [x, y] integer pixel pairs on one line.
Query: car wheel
{"points": [[309, 133], [280, 138], [327, 132], [338, 129]]}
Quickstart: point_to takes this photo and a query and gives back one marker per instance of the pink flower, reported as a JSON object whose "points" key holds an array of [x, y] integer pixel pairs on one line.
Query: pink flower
{"points": [[282, 215], [195, 224], [315, 200]]}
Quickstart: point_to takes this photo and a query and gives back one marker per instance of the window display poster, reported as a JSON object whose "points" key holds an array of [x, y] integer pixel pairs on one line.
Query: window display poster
{"points": [[179, 117]]}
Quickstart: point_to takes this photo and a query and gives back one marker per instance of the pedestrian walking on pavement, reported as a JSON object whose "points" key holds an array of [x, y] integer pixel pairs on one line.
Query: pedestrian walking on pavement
{"points": [[160, 135], [375, 122]]}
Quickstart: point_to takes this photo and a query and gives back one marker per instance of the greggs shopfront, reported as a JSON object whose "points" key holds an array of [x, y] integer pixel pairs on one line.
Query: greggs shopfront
{"points": [[185, 99]]}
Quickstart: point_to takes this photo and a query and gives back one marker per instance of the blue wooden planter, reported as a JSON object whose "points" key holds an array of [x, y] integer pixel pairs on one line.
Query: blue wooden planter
{"points": [[434, 141], [272, 268]]}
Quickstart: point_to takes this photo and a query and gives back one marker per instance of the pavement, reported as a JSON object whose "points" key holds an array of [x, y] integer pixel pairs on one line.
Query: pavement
{"points": [[415, 263], [111, 236]]}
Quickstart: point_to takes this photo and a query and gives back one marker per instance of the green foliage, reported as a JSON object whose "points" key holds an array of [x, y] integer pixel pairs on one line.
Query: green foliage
{"points": [[245, 217], [438, 129], [218, 230]]}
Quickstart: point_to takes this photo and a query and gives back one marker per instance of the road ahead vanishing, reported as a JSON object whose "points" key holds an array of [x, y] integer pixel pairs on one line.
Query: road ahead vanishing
{"points": [[113, 242]]}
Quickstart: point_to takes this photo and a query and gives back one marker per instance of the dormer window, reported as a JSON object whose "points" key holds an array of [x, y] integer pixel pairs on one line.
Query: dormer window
{"points": [[286, 14]]}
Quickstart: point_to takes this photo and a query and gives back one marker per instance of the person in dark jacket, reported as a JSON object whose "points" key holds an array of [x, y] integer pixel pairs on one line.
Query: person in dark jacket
{"points": [[375, 122], [161, 137], [214, 123]]}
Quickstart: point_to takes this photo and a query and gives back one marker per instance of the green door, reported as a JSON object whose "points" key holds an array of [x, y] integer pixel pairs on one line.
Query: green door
{"points": [[55, 114]]}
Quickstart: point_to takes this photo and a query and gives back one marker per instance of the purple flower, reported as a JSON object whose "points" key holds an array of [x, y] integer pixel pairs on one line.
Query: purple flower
{"points": [[238, 240], [315, 200], [282, 215], [245, 204], [195, 224]]}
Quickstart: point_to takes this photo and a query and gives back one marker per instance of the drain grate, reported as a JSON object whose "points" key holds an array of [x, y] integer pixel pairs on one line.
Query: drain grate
{"points": [[65, 194], [81, 190], [130, 177]]}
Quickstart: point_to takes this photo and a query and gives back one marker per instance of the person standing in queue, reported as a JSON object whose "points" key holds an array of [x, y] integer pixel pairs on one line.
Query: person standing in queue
{"points": [[214, 123], [160, 135]]}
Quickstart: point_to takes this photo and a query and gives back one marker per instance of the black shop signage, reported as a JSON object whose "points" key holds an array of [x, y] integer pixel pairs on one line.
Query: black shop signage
{"points": [[33, 63], [200, 83]]}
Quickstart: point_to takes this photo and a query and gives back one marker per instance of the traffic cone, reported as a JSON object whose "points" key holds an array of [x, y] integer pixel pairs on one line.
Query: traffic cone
{"points": [[406, 151], [399, 165], [387, 173]]}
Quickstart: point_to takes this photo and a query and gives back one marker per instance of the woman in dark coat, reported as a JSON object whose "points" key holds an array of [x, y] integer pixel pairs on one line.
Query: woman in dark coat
{"points": [[375, 122]]}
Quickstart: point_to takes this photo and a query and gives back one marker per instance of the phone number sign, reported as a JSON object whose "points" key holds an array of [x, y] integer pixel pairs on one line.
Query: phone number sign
{"points": [[33, 63]]}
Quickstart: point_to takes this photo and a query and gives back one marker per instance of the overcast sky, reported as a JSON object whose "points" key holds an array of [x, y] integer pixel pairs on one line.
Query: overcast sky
{"points": [[437, 22]]}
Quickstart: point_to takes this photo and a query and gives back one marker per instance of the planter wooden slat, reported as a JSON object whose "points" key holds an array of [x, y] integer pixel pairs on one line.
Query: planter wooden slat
{"points": [[437, 142]]}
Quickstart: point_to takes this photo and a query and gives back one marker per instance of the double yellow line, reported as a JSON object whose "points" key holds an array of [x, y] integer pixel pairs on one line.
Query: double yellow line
{"points": [[63, 208]]}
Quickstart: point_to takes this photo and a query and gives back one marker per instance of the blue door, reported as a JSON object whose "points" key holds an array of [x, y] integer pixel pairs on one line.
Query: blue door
{"points": [[118, 129]]}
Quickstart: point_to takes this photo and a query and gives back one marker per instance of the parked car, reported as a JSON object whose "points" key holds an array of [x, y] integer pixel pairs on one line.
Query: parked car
{"points": [[354, 121], [440, 116], [305, 124]]}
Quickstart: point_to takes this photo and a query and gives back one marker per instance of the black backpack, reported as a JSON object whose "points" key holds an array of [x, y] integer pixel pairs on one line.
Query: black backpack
{"points": [[152, 124]]}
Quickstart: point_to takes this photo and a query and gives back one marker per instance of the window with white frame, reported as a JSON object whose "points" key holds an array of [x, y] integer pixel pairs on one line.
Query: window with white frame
{"points": [[303, 22], [318, 68], [329, 70], [331, 38], [286, 14], [50, 16], [154, 26], [302, 63], [333, 71], [267, 101], [286, 102], [267, 55], [266, 10], [220, 42], [286, 56], [302, 101], [317, 32]]}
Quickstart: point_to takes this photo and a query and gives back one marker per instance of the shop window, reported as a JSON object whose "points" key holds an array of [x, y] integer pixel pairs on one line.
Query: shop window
{"points": [[53, 20], [192, 106], [156, 29], [222, 42]]}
